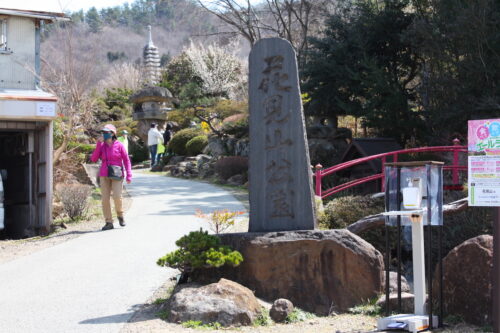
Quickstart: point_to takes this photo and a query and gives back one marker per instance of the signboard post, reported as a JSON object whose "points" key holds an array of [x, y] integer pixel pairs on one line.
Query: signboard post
{"points": [[484, 189]]}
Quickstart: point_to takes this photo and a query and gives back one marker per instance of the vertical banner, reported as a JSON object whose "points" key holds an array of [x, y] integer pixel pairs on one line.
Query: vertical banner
{"points": [[484, 189], [484, 162]]}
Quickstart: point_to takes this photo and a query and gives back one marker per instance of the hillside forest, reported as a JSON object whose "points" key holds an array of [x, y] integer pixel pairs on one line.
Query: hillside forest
{"points": [[412, 70]]}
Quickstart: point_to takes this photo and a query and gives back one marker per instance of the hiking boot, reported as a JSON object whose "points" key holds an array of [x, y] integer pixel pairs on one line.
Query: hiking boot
{"points": [[121, 220], [108, 226]]}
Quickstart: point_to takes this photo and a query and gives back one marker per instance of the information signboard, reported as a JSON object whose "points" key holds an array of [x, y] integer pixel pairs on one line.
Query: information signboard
{"points": [[484, 162], [46, 109]]}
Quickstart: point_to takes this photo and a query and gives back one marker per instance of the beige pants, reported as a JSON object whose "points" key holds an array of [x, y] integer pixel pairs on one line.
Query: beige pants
{"points": [[111, 187]]}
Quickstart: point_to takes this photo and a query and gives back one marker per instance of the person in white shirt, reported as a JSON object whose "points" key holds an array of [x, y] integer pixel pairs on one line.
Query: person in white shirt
{"points": [[153, 137]]}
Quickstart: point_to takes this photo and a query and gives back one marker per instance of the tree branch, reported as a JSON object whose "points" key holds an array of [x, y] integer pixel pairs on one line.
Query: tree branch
{"points": [[208, 120]]}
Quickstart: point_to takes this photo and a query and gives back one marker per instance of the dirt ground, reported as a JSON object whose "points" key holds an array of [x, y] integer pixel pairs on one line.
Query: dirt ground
{"points": [[12, 249], [146, 317]]}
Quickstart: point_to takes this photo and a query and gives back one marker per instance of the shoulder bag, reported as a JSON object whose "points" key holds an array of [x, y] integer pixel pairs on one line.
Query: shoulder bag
{"points": [[115, 172]]}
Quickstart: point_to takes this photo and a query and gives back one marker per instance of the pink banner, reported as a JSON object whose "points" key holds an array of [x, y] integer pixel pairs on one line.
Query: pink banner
{"points": [[484, 136]]}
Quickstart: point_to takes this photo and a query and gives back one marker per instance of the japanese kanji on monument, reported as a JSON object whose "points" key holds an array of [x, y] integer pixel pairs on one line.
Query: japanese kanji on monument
{"points": [[281, 196]]}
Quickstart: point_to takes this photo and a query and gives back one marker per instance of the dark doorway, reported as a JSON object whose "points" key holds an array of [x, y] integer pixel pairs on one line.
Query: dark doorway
{"points": [[15, 172]]}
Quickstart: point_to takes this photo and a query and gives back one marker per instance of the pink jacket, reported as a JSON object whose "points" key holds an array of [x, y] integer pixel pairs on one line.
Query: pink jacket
{"points": [[116, 155]]}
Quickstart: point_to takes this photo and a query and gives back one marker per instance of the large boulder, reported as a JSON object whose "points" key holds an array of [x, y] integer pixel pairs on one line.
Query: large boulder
{"points": [[215, 147], [319, 271], [407, 302], [228, 146], [176, 160], [467, 275], [393, 283], [280, 310], [185, 169], [225, 302]]}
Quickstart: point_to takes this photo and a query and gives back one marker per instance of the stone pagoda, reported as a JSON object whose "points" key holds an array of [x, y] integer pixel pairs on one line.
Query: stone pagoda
{"points": [[151, 62], [151, 103]]}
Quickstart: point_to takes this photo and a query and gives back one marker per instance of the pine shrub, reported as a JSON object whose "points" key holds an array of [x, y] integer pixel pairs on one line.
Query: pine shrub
{"points": [[178, 142], [196, 145], [198, 249]]}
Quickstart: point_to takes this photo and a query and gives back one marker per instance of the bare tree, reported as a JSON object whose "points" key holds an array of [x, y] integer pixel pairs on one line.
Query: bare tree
{"points": [[293, 20], [71, 82], [243, 18], [123, 75]]}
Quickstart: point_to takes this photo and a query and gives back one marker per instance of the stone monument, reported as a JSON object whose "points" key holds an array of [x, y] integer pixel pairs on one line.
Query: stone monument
{"points": [[281, 195], [151, 103]]}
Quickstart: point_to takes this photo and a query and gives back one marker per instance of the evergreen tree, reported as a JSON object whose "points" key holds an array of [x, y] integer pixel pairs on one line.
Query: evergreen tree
{"points": [[78, 17], [93, 19], [365, 66], [460, 43]]}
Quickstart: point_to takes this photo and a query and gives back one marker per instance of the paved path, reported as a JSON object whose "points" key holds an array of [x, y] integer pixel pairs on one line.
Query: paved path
{"points": [[93, 283]]}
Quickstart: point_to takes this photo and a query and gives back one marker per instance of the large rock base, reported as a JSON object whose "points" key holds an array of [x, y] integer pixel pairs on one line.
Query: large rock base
{"points": [[319, 271], [467, 280], [225, 302]]}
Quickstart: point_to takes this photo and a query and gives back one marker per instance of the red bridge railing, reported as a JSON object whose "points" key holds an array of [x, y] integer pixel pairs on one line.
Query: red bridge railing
{"points": [[455, 168]]}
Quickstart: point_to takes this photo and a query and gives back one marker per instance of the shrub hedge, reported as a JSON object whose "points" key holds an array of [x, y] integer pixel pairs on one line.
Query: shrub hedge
{"points": [[196, 145], [178, 142], [343, 211], [229, 166]]}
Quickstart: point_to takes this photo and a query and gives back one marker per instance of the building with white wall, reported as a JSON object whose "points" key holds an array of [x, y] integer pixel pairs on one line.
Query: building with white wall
{"points": [[26, 123]]}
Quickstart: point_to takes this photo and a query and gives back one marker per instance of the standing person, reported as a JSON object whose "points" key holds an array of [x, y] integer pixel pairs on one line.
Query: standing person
{"points": [[112, 153], [161, 149], [167, 135], [124, 139], [153, 137]]}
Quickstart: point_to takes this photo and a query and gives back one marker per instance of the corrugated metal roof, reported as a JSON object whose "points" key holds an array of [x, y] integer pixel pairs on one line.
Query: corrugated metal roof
{"points": [[44, 10], [26, 95]]}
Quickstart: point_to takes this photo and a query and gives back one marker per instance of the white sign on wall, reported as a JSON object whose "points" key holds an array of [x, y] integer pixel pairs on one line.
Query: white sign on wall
{"points": [[46, 109]]}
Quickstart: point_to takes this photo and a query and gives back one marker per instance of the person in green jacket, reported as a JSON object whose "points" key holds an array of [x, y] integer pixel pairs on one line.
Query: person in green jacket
{"points": [[124, 139], [160, 151]]}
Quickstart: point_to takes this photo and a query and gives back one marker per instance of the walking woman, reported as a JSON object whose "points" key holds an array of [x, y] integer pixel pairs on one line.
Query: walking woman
{"points": [[114, 158]]}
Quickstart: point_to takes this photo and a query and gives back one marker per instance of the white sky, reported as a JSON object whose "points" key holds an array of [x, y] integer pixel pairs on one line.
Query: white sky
{"points": [[66, 5], [61, 5]]}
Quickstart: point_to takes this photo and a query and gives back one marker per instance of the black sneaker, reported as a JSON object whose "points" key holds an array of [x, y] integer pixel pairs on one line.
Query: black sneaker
{"points": [[108, 226], [121, 220]]}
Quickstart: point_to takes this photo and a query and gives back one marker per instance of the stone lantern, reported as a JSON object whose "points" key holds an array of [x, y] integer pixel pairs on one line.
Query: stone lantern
{"points": [[150, 106], [151, 103]]}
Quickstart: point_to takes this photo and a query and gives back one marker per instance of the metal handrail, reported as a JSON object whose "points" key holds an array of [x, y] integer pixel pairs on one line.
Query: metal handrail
{"points": [[320, 172]]}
